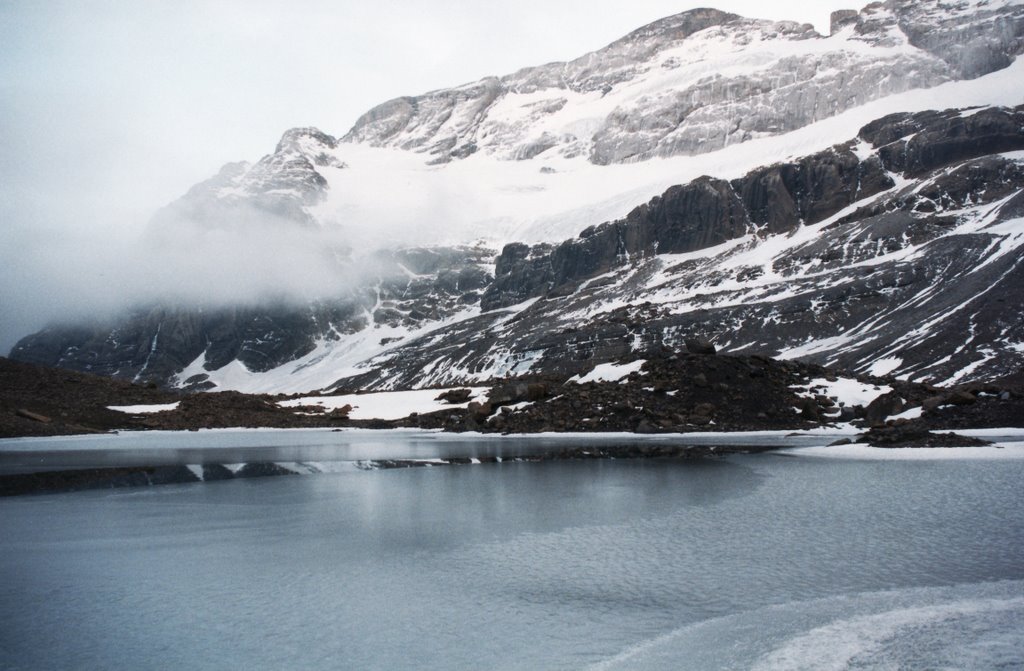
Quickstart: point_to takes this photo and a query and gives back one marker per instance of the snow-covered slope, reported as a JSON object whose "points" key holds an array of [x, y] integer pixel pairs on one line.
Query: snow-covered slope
{"points": [[703, 98]]}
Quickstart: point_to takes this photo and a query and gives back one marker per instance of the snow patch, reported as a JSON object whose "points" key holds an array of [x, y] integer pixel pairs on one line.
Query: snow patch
{"points": [[387, 405], [885, 366], [610, 372], [846, 391], [144, 409], [913, 413]]}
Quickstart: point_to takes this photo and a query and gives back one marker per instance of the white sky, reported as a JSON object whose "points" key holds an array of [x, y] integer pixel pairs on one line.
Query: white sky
{"points": [[111, 108]]}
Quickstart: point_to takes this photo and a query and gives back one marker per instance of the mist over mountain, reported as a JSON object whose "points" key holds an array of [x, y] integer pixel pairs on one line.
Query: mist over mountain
{"points": [[851, 198]]}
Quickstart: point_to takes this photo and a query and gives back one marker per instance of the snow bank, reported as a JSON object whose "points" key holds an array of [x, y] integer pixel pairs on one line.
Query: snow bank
{"points": [[144, 409], [846, 391], [859, 451], [387, 405]]}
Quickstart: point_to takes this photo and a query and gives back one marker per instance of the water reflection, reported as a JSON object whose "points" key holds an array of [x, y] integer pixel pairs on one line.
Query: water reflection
{"points": [[175, 448]]}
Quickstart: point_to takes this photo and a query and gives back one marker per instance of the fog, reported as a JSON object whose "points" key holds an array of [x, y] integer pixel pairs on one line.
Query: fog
{"points": [[110, 110], [250, 257]]}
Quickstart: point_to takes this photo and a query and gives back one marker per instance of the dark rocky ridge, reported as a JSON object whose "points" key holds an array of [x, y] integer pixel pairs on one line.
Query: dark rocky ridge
{"points": [[776, 199], [685, 392], [674, 391], [60, 401]]}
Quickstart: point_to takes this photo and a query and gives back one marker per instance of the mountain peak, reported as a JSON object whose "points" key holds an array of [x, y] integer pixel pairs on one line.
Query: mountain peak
{"points": [[679, 26], [305, 140]]}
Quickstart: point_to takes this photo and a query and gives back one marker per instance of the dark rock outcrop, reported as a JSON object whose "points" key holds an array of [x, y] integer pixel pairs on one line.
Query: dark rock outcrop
{"points": [[916, 144], [916, 435]]}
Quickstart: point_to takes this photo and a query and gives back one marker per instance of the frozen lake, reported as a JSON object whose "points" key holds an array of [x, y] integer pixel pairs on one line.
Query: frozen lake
{"points": [[769, 561], [159, 448]]}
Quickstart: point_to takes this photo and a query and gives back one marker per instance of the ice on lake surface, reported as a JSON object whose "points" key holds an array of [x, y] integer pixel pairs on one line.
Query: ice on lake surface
{"points": [[763, 561], [154, 448]]}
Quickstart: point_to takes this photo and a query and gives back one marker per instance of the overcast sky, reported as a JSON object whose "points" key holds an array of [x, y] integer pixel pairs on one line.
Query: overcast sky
{"points": [[110, 109]]}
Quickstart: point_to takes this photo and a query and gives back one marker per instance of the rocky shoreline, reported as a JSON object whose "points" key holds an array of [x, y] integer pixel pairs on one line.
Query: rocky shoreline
{"points": [[666, 392]]}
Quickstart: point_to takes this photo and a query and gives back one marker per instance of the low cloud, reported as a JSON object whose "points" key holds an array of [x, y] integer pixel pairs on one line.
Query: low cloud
{"points": [[93, 276]]}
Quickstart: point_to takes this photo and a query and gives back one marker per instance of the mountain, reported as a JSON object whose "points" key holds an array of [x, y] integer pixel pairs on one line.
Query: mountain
{"points": [[852, 200], [699, 81]]}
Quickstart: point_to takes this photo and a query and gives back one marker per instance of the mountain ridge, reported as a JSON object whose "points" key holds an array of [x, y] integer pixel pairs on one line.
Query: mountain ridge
{"points": [[694, 108]]}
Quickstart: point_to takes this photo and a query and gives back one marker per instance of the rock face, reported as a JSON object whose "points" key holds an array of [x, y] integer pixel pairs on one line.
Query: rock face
{"points": [[698, 81], [691, 217]]}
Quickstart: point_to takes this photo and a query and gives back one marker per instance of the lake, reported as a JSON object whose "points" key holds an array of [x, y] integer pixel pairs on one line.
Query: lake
{"points": [[770, 561]]}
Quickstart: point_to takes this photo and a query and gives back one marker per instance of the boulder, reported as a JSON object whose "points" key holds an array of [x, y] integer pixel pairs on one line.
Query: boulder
{"points": [[700, 346], [340, 413], [34, 416], [882, 407], [455, 396], [962, 398]]}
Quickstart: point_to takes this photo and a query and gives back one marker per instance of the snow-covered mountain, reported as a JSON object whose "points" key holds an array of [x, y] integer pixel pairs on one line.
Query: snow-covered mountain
{"points": [[852, 199], [699, 81]]}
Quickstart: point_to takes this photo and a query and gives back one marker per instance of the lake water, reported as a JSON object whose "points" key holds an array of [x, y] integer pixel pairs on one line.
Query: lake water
{"points": [[770, 561]]}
